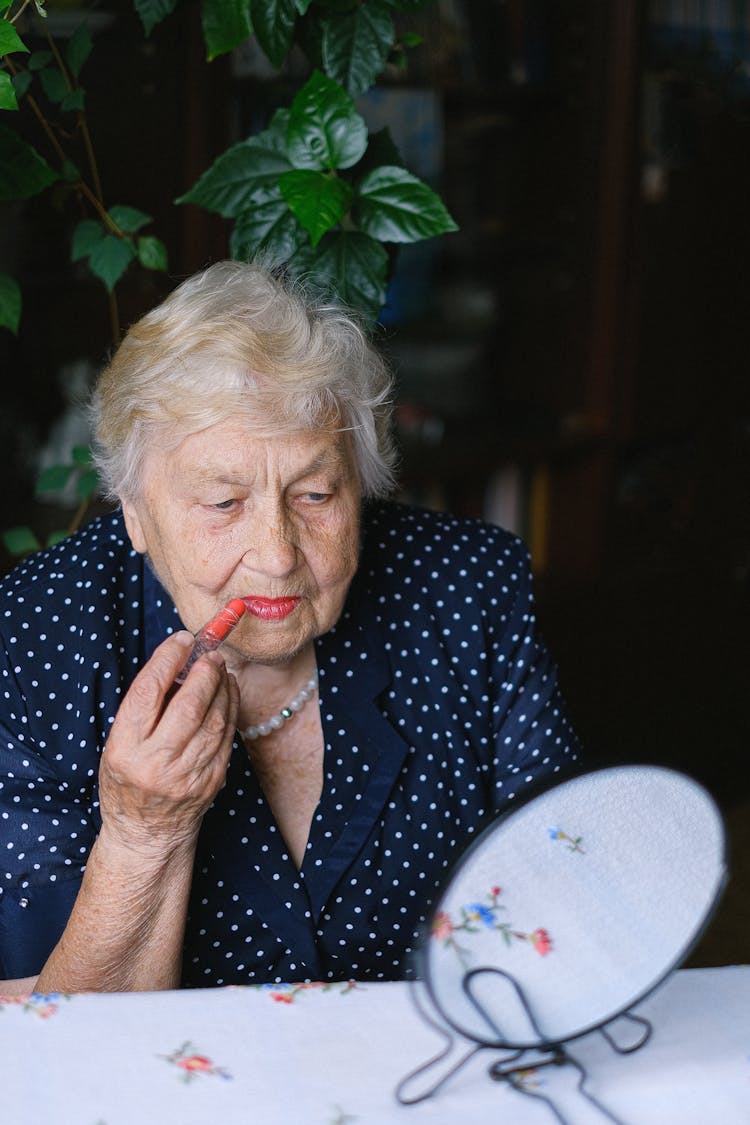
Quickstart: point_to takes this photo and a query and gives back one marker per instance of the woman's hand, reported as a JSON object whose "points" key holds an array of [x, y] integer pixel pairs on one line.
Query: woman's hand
{"points": [[167, 753]]}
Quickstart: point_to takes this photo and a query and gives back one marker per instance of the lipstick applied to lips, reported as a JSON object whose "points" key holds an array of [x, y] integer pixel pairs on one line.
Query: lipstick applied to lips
{"points": [[270, 609]]}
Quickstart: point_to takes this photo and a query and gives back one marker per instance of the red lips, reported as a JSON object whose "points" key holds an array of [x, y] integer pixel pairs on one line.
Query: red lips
{"points": [[270, 609]]}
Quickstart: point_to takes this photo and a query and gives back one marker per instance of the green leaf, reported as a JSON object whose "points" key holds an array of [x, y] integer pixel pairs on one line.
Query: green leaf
{"points": [[302, 6], [110, 258], [356, 46], [53, 84], [10, 40], [228, 186], [318, 199], [128, 219], [153, 12], [87, 484], [8, 97], [86, 236], [267, 225], [21, 82], [325, 130], [78, 49], [75, 99], [81, 455], [10, 303], [23, 172], [392, 205], [351, 265], [21, 540], [40, 59], [273, 23], [55, 537], [226, 24], [152, 253], [54, 478]]}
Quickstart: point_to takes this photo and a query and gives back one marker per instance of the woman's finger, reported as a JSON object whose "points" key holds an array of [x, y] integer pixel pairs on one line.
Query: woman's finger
{"points": [[143, 705], [200, 709]]}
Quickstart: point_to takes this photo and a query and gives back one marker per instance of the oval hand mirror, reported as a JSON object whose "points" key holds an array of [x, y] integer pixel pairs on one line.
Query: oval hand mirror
{"points": [[569, 910]]}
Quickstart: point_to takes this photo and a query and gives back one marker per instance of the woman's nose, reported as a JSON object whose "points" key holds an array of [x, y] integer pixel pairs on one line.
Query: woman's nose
{"points": [[272, 547]]}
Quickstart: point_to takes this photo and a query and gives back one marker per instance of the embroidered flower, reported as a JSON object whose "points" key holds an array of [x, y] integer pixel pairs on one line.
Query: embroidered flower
{"points": [[527, 1079], [194, 1062], [478, 912], [442, 927], [186, 1059], [573, 842], [42, 1004], [541, 941], [287, 993], [445, 929]]}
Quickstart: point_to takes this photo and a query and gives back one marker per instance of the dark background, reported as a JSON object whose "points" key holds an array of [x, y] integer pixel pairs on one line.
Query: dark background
{"points": [[577, 356]]}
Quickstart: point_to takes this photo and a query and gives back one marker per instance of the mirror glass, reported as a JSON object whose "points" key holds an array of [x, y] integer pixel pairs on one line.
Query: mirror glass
{"points": [[580, 902]]}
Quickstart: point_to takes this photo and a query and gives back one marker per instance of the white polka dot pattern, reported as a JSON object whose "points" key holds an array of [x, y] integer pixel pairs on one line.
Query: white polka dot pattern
{"points": [[439, 708]]}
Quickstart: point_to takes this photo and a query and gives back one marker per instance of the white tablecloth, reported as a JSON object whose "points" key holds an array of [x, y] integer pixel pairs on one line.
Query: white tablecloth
{"points": [[334, 1055]]}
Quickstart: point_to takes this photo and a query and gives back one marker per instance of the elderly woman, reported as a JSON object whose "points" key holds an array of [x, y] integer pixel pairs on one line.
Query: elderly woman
{"points": [[289, 810]]}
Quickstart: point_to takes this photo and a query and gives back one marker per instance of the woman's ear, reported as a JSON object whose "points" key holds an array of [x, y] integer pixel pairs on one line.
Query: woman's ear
{"points": [[134, 526]]}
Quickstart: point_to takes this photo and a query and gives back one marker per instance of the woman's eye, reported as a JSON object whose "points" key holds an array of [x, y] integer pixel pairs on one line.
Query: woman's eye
{"points": [[317, 497], [224, 505]]}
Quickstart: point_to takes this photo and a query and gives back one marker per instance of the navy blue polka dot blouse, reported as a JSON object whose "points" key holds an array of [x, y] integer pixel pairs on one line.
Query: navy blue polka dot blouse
{"points": [[439, 706]]}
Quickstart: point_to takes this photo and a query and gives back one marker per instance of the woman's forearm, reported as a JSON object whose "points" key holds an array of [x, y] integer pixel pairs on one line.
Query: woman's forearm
{"points": [[126, 930], [164, 762]]}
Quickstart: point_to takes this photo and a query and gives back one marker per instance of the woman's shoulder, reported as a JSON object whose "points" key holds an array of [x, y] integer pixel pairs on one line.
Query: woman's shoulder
{"points": [[408, 533], [93, 557], [433, 559]]}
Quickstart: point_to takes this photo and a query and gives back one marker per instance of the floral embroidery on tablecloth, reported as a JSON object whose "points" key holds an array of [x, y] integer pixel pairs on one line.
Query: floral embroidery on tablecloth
{"points": [[288, 993], [190, 1063], [342, 1118], [478, 915], [525, 1080], [42, 1004], [573, 842]]}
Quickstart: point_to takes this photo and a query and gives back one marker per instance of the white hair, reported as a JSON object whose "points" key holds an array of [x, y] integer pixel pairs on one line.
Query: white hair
{"points": [[241, 340]]}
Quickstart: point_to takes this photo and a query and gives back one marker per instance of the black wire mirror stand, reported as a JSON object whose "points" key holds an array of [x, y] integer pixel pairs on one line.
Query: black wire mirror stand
{"points": [[514, 1067]]}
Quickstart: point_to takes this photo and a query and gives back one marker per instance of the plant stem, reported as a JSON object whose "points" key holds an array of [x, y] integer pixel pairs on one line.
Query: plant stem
{"points": [[82, 123], [95, 196], [58, 57], [20, 11], [80, 512], [37, 111]]}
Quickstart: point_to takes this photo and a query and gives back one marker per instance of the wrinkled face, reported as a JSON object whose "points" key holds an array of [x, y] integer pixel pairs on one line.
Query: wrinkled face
{"points": [[275, 520]]}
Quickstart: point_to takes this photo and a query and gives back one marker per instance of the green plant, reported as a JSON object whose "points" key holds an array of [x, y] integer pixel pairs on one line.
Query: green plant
{"points": [[47, 83], [313, 191]]}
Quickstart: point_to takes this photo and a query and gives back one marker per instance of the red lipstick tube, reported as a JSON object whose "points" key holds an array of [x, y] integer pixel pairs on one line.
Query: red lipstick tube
{"points": [[214, 633]]}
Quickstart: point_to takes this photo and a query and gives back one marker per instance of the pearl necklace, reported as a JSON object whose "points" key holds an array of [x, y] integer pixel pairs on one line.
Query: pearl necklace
{"points": [[286, 713]]}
